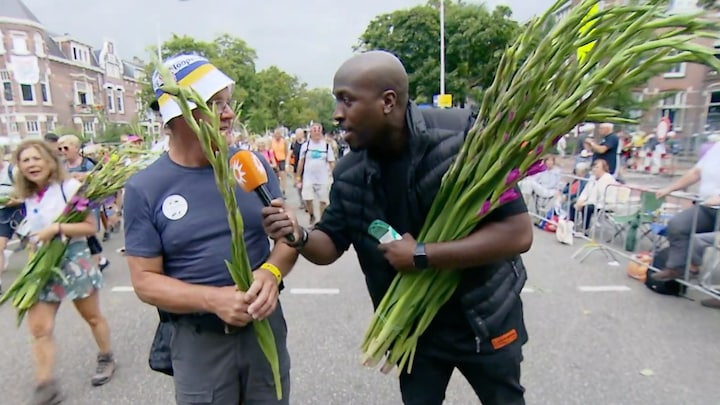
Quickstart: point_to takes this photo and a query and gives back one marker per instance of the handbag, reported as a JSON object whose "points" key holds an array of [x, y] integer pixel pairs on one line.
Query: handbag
{"points": [[160, 358], [564, 231]]}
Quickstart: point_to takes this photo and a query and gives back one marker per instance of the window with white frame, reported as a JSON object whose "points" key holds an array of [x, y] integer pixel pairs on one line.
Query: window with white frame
{"points": [[33, 127], [28, 93], [6, 86], [83, 93], [676, 71], [110, 99], [14, 128], [39, 45], [80, 53], [45, 91], [20, 43], [673, 107], [120, 97], [88, 127], [2, 43], [638, 98]]}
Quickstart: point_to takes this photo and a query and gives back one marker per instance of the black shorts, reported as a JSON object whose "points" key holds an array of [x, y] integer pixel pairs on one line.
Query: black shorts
{"points": [[94, 245], [10, 218], [281, 165]]}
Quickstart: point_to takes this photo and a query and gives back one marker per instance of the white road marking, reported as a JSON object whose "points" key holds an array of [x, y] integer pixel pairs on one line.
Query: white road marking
{"points": [[527, 290], [604, 288], [315, 291], [123, 288]]}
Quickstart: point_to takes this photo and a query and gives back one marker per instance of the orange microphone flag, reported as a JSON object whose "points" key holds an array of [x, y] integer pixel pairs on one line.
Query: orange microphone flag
{"points": [[248, 170]]}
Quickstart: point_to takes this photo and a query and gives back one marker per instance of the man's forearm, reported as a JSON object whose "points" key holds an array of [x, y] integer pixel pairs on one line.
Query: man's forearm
{"points": [[298, 174], [172, 295], [283, 257], [320, 248], [687, 180], [491, 243]]}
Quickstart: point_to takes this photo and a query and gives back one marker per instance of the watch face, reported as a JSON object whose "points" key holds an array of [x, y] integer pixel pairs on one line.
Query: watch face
{"points": [[420, 259]]}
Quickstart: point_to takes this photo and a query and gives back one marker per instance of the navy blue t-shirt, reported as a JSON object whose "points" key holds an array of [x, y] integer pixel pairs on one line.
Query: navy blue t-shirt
{"points": [[178, 213]]}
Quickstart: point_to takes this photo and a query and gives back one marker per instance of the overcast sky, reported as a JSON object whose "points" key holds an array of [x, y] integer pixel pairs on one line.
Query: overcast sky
{"points": [[307, 38]]}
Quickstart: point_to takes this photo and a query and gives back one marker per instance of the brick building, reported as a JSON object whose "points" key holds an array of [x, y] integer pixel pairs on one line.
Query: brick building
{"points": [[695, 104], [53, 82]]}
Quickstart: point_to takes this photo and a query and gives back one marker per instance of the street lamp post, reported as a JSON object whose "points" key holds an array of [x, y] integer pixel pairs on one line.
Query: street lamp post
{"points": [[442, 46]]}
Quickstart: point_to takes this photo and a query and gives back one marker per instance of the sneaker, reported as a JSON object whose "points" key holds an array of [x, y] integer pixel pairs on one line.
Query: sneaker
{"points": [[105, 369], [104, 262], [106, 236], [47, 393], [6, 255]]}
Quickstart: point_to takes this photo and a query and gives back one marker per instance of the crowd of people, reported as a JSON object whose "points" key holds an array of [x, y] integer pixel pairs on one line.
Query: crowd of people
{"points": [[596, 184], [38, 180], [177, 238]]}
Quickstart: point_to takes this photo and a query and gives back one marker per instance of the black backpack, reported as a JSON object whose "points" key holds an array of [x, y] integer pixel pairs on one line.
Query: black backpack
{"points": [[671, 287]]}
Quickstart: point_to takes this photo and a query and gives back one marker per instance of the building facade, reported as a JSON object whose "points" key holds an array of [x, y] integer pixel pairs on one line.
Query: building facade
{"points": [[56, 83], [693, 101]]}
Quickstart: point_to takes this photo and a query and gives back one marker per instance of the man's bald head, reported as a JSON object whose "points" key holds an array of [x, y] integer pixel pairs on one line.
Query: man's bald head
{"points": [[371, 90], [379, 70]]}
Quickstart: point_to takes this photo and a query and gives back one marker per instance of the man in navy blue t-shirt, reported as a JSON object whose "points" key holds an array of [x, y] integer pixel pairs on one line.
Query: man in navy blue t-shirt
{"points": [[607, 147], [177, 239]]}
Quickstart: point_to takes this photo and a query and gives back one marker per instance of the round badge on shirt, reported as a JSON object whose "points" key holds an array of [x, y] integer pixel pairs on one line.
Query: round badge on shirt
{"points": [[174, 207]]}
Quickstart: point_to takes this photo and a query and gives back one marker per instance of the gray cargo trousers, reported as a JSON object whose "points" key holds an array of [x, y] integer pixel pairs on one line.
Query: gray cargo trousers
{"points": [[679, 233], [225, 366]]}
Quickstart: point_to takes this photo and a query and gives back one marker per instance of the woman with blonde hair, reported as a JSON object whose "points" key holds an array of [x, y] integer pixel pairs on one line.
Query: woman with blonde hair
{"points": [[44, 185]]}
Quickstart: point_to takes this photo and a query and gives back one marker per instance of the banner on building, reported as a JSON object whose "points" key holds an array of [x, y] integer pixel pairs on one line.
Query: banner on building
{"points": [[26, 69]]}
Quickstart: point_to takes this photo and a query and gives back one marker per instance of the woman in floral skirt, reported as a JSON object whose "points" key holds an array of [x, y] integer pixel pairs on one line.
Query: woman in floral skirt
{"points": [[46, 188]]}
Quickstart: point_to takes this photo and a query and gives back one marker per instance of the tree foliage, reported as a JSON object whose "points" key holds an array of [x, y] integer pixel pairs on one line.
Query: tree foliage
{"points": [[269, 97], [474, 40]]}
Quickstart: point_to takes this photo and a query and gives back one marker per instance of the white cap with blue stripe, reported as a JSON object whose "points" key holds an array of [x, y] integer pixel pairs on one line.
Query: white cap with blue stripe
{"points": [[192, 71]]}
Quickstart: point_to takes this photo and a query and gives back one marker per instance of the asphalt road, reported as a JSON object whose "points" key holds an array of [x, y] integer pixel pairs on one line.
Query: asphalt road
{"points": [[596, 337]]}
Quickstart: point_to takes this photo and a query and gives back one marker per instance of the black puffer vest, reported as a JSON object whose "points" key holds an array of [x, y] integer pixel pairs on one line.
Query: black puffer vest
{"points": [[436, 138]]}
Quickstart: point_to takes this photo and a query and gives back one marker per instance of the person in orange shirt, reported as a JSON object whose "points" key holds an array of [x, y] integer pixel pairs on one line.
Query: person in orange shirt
{"points": [[280, 148]]}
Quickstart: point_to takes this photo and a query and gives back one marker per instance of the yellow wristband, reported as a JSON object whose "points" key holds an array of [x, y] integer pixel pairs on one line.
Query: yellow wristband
{"points": [[272, 269]]}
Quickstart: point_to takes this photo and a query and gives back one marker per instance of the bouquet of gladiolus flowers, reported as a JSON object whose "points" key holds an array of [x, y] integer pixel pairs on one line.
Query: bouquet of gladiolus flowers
{"points": [[103, 182], [215, 147], [542, 89]]}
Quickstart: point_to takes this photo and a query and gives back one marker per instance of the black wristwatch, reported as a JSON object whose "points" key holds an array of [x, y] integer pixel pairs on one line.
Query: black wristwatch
{"points": [[300, 243], [420, 259]]}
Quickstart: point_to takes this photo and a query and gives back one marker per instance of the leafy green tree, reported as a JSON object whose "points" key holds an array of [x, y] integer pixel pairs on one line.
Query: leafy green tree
{"points": [[474, 40], [269, 98]]}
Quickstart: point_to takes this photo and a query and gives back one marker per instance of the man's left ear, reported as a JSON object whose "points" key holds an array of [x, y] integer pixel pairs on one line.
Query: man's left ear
{"points": [[389, 98]]}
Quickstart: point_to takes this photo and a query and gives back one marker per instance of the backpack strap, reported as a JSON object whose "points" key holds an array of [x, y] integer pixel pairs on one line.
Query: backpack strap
{"points": [[62, 191]]}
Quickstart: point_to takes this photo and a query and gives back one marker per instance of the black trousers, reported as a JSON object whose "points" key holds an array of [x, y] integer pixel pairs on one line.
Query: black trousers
{"points": [[494, 377]]}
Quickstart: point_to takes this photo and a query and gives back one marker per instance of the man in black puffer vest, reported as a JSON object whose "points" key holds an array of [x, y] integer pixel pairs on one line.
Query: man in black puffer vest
{"points": [[400, 154]]}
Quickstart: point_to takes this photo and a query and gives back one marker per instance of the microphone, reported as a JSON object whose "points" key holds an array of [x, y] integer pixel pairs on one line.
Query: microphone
{"points": [[250, 174]]}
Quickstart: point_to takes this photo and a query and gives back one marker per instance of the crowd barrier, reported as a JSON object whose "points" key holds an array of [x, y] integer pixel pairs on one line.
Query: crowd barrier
{"points": [[651, 162], [628, 221]]}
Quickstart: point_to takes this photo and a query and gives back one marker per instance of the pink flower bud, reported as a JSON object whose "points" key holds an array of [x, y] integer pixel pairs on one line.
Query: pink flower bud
{"points": [[509, 195], [484, 209], [537, 167], [512, 176]]}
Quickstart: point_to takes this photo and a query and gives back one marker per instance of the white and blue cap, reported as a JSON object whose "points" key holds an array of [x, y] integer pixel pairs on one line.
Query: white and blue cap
{"points": [[191, 71]]}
